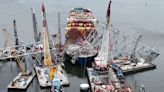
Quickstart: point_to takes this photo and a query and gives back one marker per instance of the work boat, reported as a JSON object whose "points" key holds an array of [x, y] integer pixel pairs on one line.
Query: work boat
{"points": [[80, 23]]}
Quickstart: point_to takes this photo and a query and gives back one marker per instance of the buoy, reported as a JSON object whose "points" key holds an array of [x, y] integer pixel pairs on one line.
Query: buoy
{"points": [[84, 87]]}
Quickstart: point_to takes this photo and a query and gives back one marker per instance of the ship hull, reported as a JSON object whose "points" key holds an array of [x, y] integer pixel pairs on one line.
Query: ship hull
{"points": [[85, 60], [81, 60]]}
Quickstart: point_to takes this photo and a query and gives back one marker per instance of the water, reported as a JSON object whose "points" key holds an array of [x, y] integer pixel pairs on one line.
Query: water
{"points": [[131, 16]]}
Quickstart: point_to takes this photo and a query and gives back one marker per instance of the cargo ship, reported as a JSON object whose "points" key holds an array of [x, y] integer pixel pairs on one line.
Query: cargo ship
{"points": [[80, 23]]}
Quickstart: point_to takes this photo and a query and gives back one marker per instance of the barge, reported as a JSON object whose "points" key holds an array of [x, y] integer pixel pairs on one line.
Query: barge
{"points": [[129, 67], [22, 81], [43, 75], [106, 81]]}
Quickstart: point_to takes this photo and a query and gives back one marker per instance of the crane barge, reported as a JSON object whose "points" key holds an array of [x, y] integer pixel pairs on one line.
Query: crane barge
{"points": [[50, 73], [102, 77], [23, 79]]}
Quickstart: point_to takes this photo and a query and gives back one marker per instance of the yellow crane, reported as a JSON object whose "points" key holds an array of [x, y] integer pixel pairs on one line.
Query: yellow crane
{"points": [[47, 55]]}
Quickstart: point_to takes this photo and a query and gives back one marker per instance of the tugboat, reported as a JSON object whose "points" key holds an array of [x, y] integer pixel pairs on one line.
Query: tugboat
{"points": [[80, 23]]}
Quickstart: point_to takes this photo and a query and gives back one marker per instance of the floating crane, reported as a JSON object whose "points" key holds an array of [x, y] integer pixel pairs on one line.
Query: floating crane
{"points": [[59, 43], [133, 55], [24, 78], [15, 33], [47, 55], [59, 34], [36, 35], [7, 38], [101, 60], [49, 71]]}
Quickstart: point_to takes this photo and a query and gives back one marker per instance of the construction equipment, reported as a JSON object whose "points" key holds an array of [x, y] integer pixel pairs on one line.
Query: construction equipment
{"points": [[101, 61], [59, 46], [35, 26], [7, 38], [24, 78], [19, 61], [59, 35], [133, 56], [47, 55], [15, 33], [49, 74]]}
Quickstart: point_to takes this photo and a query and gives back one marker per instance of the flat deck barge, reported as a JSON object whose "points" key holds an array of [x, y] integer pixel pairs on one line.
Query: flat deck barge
{"points": [[43, 79], [131, 69], [128, 67], [21, 81], [106, 81], [99, 81]]}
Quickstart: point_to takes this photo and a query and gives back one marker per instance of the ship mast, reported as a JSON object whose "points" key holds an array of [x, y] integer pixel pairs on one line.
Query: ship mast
{"points": [[15, 33], [47, 55]]}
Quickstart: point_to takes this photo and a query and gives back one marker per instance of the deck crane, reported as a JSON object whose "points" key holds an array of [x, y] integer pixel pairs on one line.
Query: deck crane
{"points": [[36, 35], [101, 61]]}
